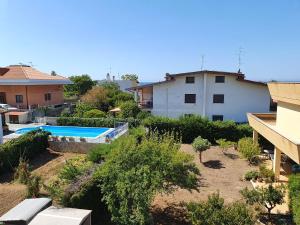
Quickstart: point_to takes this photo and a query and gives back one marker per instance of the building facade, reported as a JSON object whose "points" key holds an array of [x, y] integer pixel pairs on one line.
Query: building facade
{"points": [[213, 94], [25, 87], [281, 129]]}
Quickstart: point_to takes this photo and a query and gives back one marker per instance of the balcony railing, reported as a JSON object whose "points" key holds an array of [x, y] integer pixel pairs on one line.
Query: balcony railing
{"points": [[146, 104]]}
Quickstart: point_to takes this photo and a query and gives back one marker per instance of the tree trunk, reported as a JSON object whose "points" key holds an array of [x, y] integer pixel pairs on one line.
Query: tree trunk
{"points": [[269, 214], [200, 156]]}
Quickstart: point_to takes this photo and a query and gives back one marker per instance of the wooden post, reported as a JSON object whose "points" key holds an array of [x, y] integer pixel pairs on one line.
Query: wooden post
{"points": [[255, 136], [277, 162]]}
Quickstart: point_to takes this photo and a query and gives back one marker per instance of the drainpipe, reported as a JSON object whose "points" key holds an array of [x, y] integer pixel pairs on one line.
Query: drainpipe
{"points": [[1, 130], [27, 97], [204, 95]]}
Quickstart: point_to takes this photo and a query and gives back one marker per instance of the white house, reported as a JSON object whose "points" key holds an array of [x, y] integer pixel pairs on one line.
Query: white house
{"points": [[213, 94], [124, 85]]}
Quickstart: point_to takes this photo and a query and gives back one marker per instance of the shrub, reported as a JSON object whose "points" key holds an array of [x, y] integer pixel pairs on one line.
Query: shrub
{"points": [[215, 212], [33, 187], [249, 149], [99, 152], [73, 168], [143, 115], [224, 144], [134, 173], [26, 146], [94, 113], [268, 197], [294, 196], [98, 122], [200, 145], [129, 109], [266, 174], [22, 173], [193, 126], [252, 175]]}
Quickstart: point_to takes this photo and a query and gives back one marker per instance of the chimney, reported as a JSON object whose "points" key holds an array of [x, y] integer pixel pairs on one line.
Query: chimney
{"points": [[107, 77]]}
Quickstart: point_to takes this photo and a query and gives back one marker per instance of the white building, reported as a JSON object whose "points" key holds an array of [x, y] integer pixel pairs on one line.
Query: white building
{"points": [[124, 85], [213, 94]]}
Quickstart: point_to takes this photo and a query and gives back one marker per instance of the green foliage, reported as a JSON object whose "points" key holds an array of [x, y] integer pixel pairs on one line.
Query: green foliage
{"points": [[143, 115], [22, 172], [252, 175], [268, 197], [193, 126], [266, 174], [99, 153], [135, 172], [26, 147], [33, 186], [82, 108], [129, 77], [214, 212], [129, 109], [98, 122], [200, 144], [249, 149], [81, 84], [94, 113], [73, 168], [294, 196], [224, 144]]}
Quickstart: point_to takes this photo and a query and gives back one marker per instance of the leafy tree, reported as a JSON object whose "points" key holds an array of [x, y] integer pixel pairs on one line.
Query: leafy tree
{"points": [[135, 172], [268, 197], [81, 84], [81, 108], [97, 98], [129, 109], [215, 212], [129, 77], [249, 149], [53, 73], [94, 113], [224, 144], [200, 144]]}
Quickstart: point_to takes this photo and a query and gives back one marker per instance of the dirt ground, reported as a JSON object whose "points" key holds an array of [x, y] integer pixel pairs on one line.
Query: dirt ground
{"points": [[45, 165], [219, 172]]}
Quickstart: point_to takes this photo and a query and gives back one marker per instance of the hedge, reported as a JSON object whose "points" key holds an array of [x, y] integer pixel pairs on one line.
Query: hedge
{"points": [[95, 122], [26, 146], [191, 127], [294, 195]]}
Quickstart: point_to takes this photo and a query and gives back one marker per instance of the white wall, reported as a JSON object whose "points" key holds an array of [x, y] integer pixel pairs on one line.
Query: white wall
{"points": [[239, 98]]}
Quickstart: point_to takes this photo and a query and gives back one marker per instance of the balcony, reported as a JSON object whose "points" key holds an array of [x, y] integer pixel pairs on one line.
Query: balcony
{"points": [[146, 104]]}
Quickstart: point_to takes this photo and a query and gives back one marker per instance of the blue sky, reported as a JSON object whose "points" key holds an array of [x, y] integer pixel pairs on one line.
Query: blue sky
{"points": [[153, 37]]}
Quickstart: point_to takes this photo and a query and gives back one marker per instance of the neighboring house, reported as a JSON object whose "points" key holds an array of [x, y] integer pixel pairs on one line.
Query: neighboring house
{"points": [[213, 94], [281, 129], [124, 85], [25, 87]]}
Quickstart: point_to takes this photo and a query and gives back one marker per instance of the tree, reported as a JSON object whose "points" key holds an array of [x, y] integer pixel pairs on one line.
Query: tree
{"points": [[215, 212], [224, 144], [268, 197], [249, 149], [94, 113], [129, 109], [200, 144], [81, 84], [129, 77], [135, 172], [53, 73], [97, 98], [81, 108]]}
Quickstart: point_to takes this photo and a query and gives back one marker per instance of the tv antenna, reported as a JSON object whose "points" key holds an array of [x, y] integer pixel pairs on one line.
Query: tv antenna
{"points": [[240, 59], [31, 64], [202, 61]]}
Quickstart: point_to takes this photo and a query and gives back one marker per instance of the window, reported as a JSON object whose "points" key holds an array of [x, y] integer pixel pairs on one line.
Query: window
{"points": [[47, 97], [19, 98], [218, 99], [217, 117], [220, 79], [190, 98], [190, 80]]}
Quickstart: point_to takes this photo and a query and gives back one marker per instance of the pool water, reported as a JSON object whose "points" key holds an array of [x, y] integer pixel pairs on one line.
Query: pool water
{"points": [[68, 131]]}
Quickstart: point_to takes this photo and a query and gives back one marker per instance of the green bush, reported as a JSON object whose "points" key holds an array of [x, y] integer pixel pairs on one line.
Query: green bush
{"points": [[249, 149], [294, 196], [129, 109], [215, 212], [193, 126], [252, 175], [26, 146], [22, 172], [99, 152], [266, 174], [33, 187], [98, 122], [94, 113]]}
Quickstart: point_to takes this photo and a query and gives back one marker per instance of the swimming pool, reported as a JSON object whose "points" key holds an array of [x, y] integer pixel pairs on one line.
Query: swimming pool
{"points": [[69, 131]]}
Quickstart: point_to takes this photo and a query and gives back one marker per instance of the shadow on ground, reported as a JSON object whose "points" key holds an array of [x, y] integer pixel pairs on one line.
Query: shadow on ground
{"points": [[173, 214], [214, 164], [231, 156]]}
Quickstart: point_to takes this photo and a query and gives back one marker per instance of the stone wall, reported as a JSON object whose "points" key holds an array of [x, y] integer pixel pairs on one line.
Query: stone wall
{"points": [[75, 147]]}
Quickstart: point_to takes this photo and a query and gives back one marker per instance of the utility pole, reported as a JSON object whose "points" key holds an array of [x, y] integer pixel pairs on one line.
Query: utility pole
{"points": [[240, 59]]}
